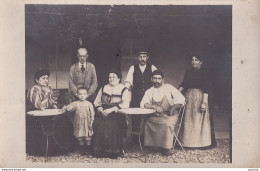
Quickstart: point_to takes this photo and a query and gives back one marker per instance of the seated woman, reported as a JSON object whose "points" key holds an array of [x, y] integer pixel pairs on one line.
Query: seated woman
{"points": [[40, 96], [110, 126]]}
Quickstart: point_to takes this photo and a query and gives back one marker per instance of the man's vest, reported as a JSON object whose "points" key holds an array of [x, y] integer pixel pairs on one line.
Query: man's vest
{"points": [[141, 82]]}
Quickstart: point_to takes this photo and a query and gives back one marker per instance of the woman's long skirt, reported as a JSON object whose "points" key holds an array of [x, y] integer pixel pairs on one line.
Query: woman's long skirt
{"points": [[109, 133], [195, 130]]}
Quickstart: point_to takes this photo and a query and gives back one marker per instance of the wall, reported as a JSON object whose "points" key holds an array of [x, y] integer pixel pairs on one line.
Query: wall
{"points": [[113, 34]]}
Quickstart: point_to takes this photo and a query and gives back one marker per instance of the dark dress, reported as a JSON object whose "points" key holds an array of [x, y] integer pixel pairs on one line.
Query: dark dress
{"points": [[197, 129], [110, 131]]}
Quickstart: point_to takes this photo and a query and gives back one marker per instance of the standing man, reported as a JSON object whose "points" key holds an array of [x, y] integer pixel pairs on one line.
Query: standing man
{"points": [[83, 74], [166, 100], [139, 80]]}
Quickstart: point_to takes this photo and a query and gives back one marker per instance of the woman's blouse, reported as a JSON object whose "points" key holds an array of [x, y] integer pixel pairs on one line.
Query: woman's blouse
{"points": [[118, 95], [38, 93], [197, 79]]}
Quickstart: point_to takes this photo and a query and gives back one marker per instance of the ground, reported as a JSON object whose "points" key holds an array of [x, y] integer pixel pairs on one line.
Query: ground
{"points": [[219, 154]]}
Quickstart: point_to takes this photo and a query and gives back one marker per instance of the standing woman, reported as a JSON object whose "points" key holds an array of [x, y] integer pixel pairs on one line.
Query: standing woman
{"points": [[109, 126], [196, 128]]}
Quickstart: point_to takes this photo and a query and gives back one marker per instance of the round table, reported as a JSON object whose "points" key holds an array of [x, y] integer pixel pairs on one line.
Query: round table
{"points": [[47, 119], [138, 111]]}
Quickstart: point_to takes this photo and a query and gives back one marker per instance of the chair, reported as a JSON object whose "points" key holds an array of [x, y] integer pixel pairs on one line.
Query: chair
{"points": [[177, 126]]}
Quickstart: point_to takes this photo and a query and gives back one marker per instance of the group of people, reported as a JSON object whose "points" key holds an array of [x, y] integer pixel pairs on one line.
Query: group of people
{"points": [[99, 127]]}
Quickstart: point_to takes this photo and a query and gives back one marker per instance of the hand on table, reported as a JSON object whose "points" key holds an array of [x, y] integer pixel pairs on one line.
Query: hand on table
{"points": [[63, 109], [158, 109]]}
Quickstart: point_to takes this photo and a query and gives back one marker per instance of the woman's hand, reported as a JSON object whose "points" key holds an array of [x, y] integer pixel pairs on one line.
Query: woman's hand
{"points": [[203, 107], [108, 111]]}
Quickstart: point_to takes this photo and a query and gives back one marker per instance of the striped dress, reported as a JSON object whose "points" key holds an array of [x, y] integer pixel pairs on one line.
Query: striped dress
{"points": [[41, 97]]}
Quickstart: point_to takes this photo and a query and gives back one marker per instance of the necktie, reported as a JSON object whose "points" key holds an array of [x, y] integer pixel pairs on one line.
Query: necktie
{"points": [[82, 68]]}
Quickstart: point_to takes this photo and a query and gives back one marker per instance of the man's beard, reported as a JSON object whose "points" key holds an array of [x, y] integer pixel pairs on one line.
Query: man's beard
{"points": [[157, 85]]}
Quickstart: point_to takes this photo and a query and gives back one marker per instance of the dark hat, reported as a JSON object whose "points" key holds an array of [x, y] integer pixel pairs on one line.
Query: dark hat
{"points": [[40, 73], [142, 52]]}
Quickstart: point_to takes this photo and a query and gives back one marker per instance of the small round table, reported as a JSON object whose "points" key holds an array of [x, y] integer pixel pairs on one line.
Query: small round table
{"points": [[138, 111], [47, 119]]}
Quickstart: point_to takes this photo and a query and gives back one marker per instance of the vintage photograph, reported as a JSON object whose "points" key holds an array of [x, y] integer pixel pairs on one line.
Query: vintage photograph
{"points": [[128, 83]]}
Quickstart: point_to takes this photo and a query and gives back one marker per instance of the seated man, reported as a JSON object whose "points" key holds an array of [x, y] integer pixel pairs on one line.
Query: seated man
{"points": [[166, 100]]}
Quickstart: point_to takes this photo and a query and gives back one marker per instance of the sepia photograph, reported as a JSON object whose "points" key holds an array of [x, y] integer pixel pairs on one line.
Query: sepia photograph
{"points": [[96, 84], [93, 71]]}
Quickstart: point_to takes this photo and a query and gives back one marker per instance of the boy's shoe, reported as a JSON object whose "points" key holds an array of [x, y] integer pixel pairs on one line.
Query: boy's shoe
{"points": [[81, 150]]}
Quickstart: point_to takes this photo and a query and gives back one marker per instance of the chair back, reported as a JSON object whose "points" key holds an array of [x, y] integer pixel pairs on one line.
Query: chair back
{"points": [[178, 124]]}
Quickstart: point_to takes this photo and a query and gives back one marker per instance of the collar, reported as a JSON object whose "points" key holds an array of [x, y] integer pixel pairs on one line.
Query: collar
{"points": [[142, 66], [85, 64]]}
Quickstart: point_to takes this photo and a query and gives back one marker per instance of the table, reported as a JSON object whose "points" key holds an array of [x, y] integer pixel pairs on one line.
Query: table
{"points": [[138, 111], [47, 119]]}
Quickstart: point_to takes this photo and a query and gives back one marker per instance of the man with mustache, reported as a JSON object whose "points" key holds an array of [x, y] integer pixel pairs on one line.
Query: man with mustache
{"points": [[139, 80], [165, 100]]}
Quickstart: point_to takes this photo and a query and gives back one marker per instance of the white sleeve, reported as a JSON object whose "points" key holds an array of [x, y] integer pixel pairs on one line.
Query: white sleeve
{"points": [[125, 99], [153, 68], [147, 98], [178, 98], [129, 77], [98, 101]]}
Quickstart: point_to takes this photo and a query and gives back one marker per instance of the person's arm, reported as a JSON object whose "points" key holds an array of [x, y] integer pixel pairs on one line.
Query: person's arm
{"points": [[147, 102], [125, 99], [72, 87], [125, 103], [184, 83], [178, 99], [94, 84], [52, 102], [92, 115], [129, 78], [181, 89], [176, 95], [204, 102], [206, 85], [34, 96], [153, 68], [158, 109], [98, 101], [70, 107]]}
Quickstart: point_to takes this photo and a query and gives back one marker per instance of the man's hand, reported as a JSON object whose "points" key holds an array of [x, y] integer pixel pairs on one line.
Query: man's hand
{"points": [[158, 109]]}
